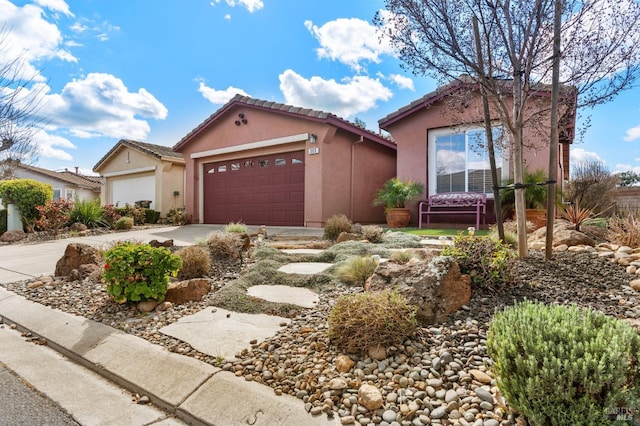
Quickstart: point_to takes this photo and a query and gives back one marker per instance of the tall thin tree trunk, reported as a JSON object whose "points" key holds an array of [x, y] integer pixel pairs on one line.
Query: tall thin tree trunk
{"points": [[488, 132], [553, 142]]}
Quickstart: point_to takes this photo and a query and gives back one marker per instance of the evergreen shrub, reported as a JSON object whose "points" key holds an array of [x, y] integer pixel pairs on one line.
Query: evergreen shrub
{"points": [[27, 194], [565, 365], [137, 272]]}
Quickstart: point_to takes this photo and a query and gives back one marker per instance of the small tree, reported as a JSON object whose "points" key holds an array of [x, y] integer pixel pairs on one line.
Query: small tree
{"points": [[592, 186]]}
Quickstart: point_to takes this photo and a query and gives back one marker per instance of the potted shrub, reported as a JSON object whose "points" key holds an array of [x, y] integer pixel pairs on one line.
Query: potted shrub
{"points": [[393, 196], [535, 198]]}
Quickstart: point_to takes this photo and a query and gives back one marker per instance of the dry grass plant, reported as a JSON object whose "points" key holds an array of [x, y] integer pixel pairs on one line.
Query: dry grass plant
{"points": [[624, 230], [335, 225], [224, 245], [372, 233], [196, 262], [360, 321], [402, 256], [357, 270]]}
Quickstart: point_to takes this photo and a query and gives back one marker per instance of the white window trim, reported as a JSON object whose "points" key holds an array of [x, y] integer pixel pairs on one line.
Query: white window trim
{"points": [[431, 150]]}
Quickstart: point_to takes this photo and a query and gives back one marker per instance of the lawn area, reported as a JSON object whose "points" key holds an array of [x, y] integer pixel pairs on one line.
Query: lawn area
{"points": [[446, 232]]}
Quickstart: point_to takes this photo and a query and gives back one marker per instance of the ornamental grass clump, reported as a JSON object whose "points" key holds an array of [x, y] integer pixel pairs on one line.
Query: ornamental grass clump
{"points": [[335, 225], [137, 272], [196, 262], [357, 270], [565, 365], [360, 321], [236, 228], [224, 245], [487, 260]]}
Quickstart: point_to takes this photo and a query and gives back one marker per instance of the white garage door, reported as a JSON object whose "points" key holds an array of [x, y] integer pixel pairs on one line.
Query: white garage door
{"points": [[132, 189]]}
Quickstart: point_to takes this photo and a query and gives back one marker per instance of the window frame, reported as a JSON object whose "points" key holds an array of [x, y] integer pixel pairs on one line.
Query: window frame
{"points": [[432, 134]]}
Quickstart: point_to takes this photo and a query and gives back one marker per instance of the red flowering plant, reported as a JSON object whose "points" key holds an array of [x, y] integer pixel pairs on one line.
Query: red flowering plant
{"points": [[54, 216]]}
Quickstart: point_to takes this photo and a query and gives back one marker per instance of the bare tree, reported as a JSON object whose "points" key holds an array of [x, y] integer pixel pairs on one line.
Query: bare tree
{"points": [[20, 105], [600, 53], [592, 186]]}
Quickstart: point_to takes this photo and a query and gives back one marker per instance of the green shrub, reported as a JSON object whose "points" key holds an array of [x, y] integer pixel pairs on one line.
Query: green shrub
{"points": [[564, 365], [372, 233], [88, 212], [335, 225], [360, 321], [54, 215], [224, 245], [196, 262], [176, 217], [357, 270], [136, 272], [487, 260], [236, 228], [151, 216], [26, 194], [134, 212], [125, 222]]}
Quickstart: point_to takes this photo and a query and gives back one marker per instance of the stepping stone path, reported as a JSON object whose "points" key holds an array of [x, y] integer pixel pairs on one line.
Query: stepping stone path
{"points": [[285, 294], [305, 268], [221, 333]]}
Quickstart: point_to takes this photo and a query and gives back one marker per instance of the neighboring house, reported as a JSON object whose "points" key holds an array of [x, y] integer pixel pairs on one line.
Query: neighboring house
{"points": [[266, 163], [66, 184], [137, 171], [441, 142]]}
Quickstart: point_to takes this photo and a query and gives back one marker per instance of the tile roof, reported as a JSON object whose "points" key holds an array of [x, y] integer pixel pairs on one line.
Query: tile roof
{"points": [[158, 151], [83, 181], [307, 113]]}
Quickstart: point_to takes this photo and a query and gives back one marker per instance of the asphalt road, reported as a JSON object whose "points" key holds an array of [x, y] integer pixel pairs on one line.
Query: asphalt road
{"points": [[22, 405]]}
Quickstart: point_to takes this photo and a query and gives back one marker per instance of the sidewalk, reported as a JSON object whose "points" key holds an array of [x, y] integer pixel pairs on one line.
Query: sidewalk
{"points": [[196, 392]]}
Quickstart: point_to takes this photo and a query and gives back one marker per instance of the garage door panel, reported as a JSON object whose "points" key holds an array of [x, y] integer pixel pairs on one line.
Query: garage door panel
{"points": [[256, 191]]}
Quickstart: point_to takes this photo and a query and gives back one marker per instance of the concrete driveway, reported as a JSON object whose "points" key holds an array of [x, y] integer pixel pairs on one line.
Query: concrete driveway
{"points": [[26, 261]]}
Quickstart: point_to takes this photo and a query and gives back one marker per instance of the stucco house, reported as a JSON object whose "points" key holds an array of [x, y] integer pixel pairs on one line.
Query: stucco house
{"points": [[441, 142], [66, 184], [267, 163], [138, 171]]}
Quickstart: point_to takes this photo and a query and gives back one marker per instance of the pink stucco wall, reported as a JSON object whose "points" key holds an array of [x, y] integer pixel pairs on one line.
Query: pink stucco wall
{"points": [[332, 183], [411, 136]]}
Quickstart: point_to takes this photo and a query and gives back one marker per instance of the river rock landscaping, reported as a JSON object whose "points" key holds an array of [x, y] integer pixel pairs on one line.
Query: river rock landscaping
{"points": [[440, 375]]}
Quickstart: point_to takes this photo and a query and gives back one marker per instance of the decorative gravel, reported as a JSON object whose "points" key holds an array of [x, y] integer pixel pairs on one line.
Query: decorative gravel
{"points": [[441, 375]]}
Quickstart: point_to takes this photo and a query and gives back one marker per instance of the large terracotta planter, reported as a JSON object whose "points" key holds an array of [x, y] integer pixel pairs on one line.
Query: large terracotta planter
{"points": [[537, 216], [398, 218]]}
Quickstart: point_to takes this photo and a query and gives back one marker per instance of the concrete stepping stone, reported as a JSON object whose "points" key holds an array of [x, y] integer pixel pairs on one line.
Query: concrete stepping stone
{"points": [[302, 251], [305, 268], [285, 294], [221, 333]]}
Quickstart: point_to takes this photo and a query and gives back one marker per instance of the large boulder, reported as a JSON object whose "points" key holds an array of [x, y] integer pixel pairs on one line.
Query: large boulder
{"points": [[75, 256], [564, 233], [436, 286], [187, 291], [13, 236]]}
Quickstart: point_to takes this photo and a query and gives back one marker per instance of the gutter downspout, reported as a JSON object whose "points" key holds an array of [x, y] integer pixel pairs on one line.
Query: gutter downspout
{"points": [[352, 177]]}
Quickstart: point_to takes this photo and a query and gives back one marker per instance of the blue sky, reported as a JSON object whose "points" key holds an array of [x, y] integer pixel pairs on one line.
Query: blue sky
{"points": [[152, 71]]}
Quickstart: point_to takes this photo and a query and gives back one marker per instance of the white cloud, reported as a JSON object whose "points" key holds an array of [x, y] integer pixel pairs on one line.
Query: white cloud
{"points": [[350, 97], [227, 17], [56, 6], [251, 5], [219, 97], [30, 37], [632, 134], [626, 168], [101, 105], [402, 82], [579, 155], [350, 41], [48, 146]]}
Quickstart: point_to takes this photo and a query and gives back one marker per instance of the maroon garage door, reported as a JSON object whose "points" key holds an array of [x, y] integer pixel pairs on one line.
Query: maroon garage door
{"points": [[265, 190]]}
